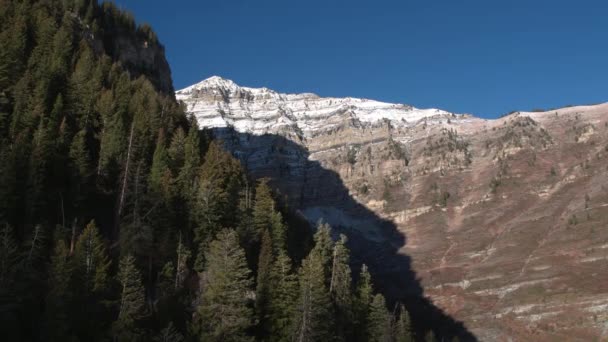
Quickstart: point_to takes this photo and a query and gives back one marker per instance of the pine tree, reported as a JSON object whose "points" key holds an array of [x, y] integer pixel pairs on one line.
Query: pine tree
{"points": [[13, 54], [314, 313], [90, 283], [209, 214], [159, 199], [324, 246], [10, 265], [36, 247], [264, 282], [113, 106], [40, 171], [340, 289], [217, 199], [169, 334], [177, 150], [63, 48], [283, 299], [279, 232], [132, 302], [430, 336], [403, 329], [245, 229], [379, 324], [188, 174], [83, 87], [224, 312], [165, 283], [181, 271], [91, 262], [263, 207], [362, 304], [56, 324], [81, 169], [160, 175], [9, 258]]}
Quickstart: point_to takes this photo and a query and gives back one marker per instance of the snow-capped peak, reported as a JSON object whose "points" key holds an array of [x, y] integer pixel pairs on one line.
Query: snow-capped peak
{"points": [[219, 102], [211, 82]]}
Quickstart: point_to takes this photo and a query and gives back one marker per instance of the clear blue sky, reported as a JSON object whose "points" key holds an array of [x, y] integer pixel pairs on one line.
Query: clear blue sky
{"points": [[484, 57]]}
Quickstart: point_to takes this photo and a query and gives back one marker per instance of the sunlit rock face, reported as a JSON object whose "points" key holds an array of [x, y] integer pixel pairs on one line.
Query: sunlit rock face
{"points": [[505, 221]]}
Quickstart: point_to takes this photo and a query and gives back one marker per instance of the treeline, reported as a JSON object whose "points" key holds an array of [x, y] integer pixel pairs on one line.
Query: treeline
{"points": [[120, 220]]}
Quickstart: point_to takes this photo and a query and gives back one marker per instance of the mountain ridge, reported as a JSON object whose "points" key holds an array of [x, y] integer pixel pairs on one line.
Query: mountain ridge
{"points": [[219, 102], [228, 86]]}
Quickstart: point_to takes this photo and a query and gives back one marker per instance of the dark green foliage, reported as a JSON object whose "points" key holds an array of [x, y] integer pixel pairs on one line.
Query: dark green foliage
{"points": [[494, 184], [9, 257], [573, 220], [262, 299], [59, 296], [220, 180], [169, 334], [351, 156], [379, 324], [263, 208], [181, 270], [430, 337], [283, 299], [362, 305], [160, 177], [397, 150], [90, 283], [187, 176], [314, 312], [91, 262], [443, 198], [341, 291], [324, 247], [10, 265], [402, 326], [131, 304], [224, 312]]}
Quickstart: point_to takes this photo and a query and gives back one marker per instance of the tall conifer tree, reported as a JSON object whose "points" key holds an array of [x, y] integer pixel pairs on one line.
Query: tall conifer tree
{"points": [[264, 285], [314, 313], [132, 302], [224, 311], [379, 324]]}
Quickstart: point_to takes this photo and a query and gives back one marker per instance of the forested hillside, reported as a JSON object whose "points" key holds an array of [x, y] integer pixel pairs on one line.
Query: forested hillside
{"points": [[120, 220]]}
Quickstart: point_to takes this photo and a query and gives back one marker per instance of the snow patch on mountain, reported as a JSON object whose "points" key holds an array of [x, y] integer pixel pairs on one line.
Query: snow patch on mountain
{"points": [[218, 102]]}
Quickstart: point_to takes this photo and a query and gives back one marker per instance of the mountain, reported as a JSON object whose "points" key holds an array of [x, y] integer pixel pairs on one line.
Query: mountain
{"points": [[218, 102], [503, 222], [120, 219]]}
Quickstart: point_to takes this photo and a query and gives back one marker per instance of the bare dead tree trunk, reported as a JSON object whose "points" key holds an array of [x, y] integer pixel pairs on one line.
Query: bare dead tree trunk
{"points": [[73, 239], [34, 241], [179, 260], [303, 326], [136, 204], [333, 272], [150, 269], [62, 211], [100, 149], [123, 191]]}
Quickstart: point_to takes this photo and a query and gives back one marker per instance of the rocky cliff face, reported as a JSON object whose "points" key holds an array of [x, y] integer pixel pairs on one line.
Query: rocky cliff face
{"points": [[504, 222]]}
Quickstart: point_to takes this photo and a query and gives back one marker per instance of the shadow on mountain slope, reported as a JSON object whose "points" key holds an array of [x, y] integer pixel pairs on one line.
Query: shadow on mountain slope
{"points": [[319, 193]]}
